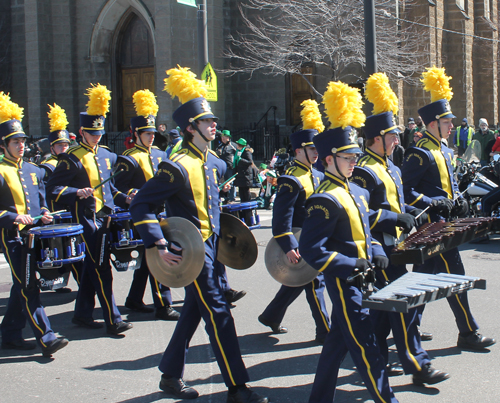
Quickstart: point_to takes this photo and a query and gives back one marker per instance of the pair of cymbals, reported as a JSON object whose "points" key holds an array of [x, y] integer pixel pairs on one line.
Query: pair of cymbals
{"points": [[237, 249], [284, 272]]}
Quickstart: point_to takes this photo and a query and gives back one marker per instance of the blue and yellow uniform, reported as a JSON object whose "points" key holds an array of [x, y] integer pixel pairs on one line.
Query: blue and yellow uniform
{"points": [[382, 179], [22, 191], [428, 175], [294, 188], [85, 167], [189, 185], [139, 165], [335, 233]]}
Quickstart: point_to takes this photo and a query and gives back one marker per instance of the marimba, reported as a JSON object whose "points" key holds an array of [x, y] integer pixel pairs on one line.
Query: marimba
{"points": [[414, 289], [438, 237]]}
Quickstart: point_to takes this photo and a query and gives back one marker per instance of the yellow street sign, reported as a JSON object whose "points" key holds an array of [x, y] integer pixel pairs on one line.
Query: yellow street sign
{"points": [[208, 75]]}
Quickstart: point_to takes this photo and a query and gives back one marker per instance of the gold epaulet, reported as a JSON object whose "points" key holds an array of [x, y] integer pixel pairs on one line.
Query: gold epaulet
{"points": [[73, 149], [155, 147], [213, 152], [106, 147]]}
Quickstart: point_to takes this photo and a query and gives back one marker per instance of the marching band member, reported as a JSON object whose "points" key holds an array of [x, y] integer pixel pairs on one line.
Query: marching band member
{"points": [[336, 240], [22, 196], [428, 181], [377, 174], [189, 184], [140, 163], [76, 182], [294, 187]]}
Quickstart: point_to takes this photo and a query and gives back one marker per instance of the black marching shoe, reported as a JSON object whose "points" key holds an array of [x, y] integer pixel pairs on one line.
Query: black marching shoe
{"points": [[167, 313], [138, 306], [233, 295], [474, 341], [429, 376], [54, 345], [89, 323], [178, 388], [18, 344], [119, 327], [276, 327], [394, 370], [425, 336], [245, 395]]}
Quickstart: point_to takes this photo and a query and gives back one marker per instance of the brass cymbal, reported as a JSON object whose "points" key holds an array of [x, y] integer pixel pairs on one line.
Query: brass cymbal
{"points": [[237, 245], [185, 234], [284, 272]]}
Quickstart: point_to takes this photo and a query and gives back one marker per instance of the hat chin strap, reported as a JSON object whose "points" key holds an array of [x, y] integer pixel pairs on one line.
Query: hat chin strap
{"points": [[338, 170], [385, 148], [194, 125], [439, 129], [307, 156]]}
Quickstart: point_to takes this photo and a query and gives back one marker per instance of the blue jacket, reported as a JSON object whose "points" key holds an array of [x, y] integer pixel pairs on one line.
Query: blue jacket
{"points": [[428, 173], [294, 187], [83, 167], [189, 183], [336, 231], [382, 179], [140, 164], [22, 191]]}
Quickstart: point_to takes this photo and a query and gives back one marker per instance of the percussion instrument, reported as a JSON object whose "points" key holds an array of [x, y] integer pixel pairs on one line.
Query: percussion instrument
{"points": [[414, 289], [237, 245], [284, 272], [236, 209], [55, 283], [185, 235], [438, 237], [58, 245], [125, 246], [62, 218]]}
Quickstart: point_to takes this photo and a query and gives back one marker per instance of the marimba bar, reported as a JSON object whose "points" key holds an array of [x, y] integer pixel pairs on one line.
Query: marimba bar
{"points": [[438, 237], [414, 289]]}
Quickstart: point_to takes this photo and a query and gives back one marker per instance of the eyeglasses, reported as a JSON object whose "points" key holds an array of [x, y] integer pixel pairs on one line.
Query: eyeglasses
{"points": [[350, 159]]}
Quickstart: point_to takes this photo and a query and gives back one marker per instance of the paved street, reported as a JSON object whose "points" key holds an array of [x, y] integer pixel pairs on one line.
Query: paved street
{"points": [[98, 368]]}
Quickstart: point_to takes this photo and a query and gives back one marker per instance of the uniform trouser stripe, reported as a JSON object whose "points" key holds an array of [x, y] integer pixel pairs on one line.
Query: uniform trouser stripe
{"points": [[408, 350], [319, 309], [363, 353]]}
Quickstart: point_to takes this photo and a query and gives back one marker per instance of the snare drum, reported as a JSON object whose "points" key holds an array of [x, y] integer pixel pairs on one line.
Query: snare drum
{"points": [[57, 248], [63, 218], [236, 209], [126, 248]]}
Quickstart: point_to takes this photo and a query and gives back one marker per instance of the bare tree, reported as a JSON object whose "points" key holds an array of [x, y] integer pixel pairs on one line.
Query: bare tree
{"points": [[282, 35]]}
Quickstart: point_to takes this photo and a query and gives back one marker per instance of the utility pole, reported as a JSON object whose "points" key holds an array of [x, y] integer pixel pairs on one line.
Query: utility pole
{"points": [[370, 38], [202, 36]]}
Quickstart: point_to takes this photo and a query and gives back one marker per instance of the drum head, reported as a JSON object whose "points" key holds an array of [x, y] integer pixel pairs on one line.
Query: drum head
{"points": [[284, 272], [237, 245], [49, 231], [185, 234]]}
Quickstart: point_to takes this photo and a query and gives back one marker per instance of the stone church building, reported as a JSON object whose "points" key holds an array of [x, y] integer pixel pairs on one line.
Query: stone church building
{"points": [[51, 50]]}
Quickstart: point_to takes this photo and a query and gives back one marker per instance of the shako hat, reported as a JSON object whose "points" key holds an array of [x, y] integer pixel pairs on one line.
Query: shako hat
{"points": [[58, 124], [11, 115], [92, 121], [146, 109], [437, 83], [311, 125]]}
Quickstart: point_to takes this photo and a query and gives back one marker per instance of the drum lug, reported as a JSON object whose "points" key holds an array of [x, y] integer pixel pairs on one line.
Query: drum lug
{"points": [[48, 255], [124, 241]]}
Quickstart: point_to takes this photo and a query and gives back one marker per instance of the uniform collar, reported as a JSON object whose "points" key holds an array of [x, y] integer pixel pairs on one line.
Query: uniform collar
{"points": [[302, 165], [17, 164], [376, 157], [336, 180], [434, 140], [196, 151], [142, 148], [87, 147]]}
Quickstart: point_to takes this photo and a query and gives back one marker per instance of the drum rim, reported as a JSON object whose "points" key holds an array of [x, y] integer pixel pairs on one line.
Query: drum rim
{"points": [[67, 229]]}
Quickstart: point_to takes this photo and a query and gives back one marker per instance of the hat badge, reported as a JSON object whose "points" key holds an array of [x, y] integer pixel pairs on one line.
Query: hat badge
{"points": [[447, 106], [98, 123], [205, 106], [62, 135], [16, 126], [150, 120], [352, 136]]}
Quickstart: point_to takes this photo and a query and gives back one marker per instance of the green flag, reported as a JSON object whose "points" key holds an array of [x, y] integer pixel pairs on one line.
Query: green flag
{"points": [[191, 3]]}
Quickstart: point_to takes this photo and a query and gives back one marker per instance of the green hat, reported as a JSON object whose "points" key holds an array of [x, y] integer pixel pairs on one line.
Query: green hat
{"points": [[226, 133], [271, 174], [241, 142], [263, 166]]}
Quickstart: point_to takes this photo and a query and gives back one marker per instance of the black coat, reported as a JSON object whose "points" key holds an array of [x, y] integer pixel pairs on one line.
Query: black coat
{"points": [[244, 170]]}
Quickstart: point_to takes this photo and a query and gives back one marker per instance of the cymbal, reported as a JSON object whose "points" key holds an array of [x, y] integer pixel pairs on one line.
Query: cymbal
{"points": [[237, 245], [284, 272], [185, 234]]}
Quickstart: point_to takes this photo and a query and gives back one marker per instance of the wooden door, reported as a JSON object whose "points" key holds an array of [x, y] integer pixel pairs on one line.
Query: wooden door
{"points": [[134, 79], [300, 91]]}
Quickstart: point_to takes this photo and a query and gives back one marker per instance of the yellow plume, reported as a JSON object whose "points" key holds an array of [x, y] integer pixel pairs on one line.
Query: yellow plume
{"points": [[99, 97], [57, 118], [311, 116], [9, 110], [437, 83], [380, 94], [343, 105], [145, 103], [183, 84]]}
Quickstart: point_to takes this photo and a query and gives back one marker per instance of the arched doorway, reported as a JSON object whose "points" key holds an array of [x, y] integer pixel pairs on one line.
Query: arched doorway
{"points": [[135, 65]]}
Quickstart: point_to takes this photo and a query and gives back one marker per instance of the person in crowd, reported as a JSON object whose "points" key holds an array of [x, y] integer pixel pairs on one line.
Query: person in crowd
{"points": [[484, 135], [463, 136]]}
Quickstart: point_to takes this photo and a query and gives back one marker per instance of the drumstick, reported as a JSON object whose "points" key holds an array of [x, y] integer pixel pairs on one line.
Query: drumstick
{"points": [[232, 178], [429, 206], [107, 180], [54, 212]]}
